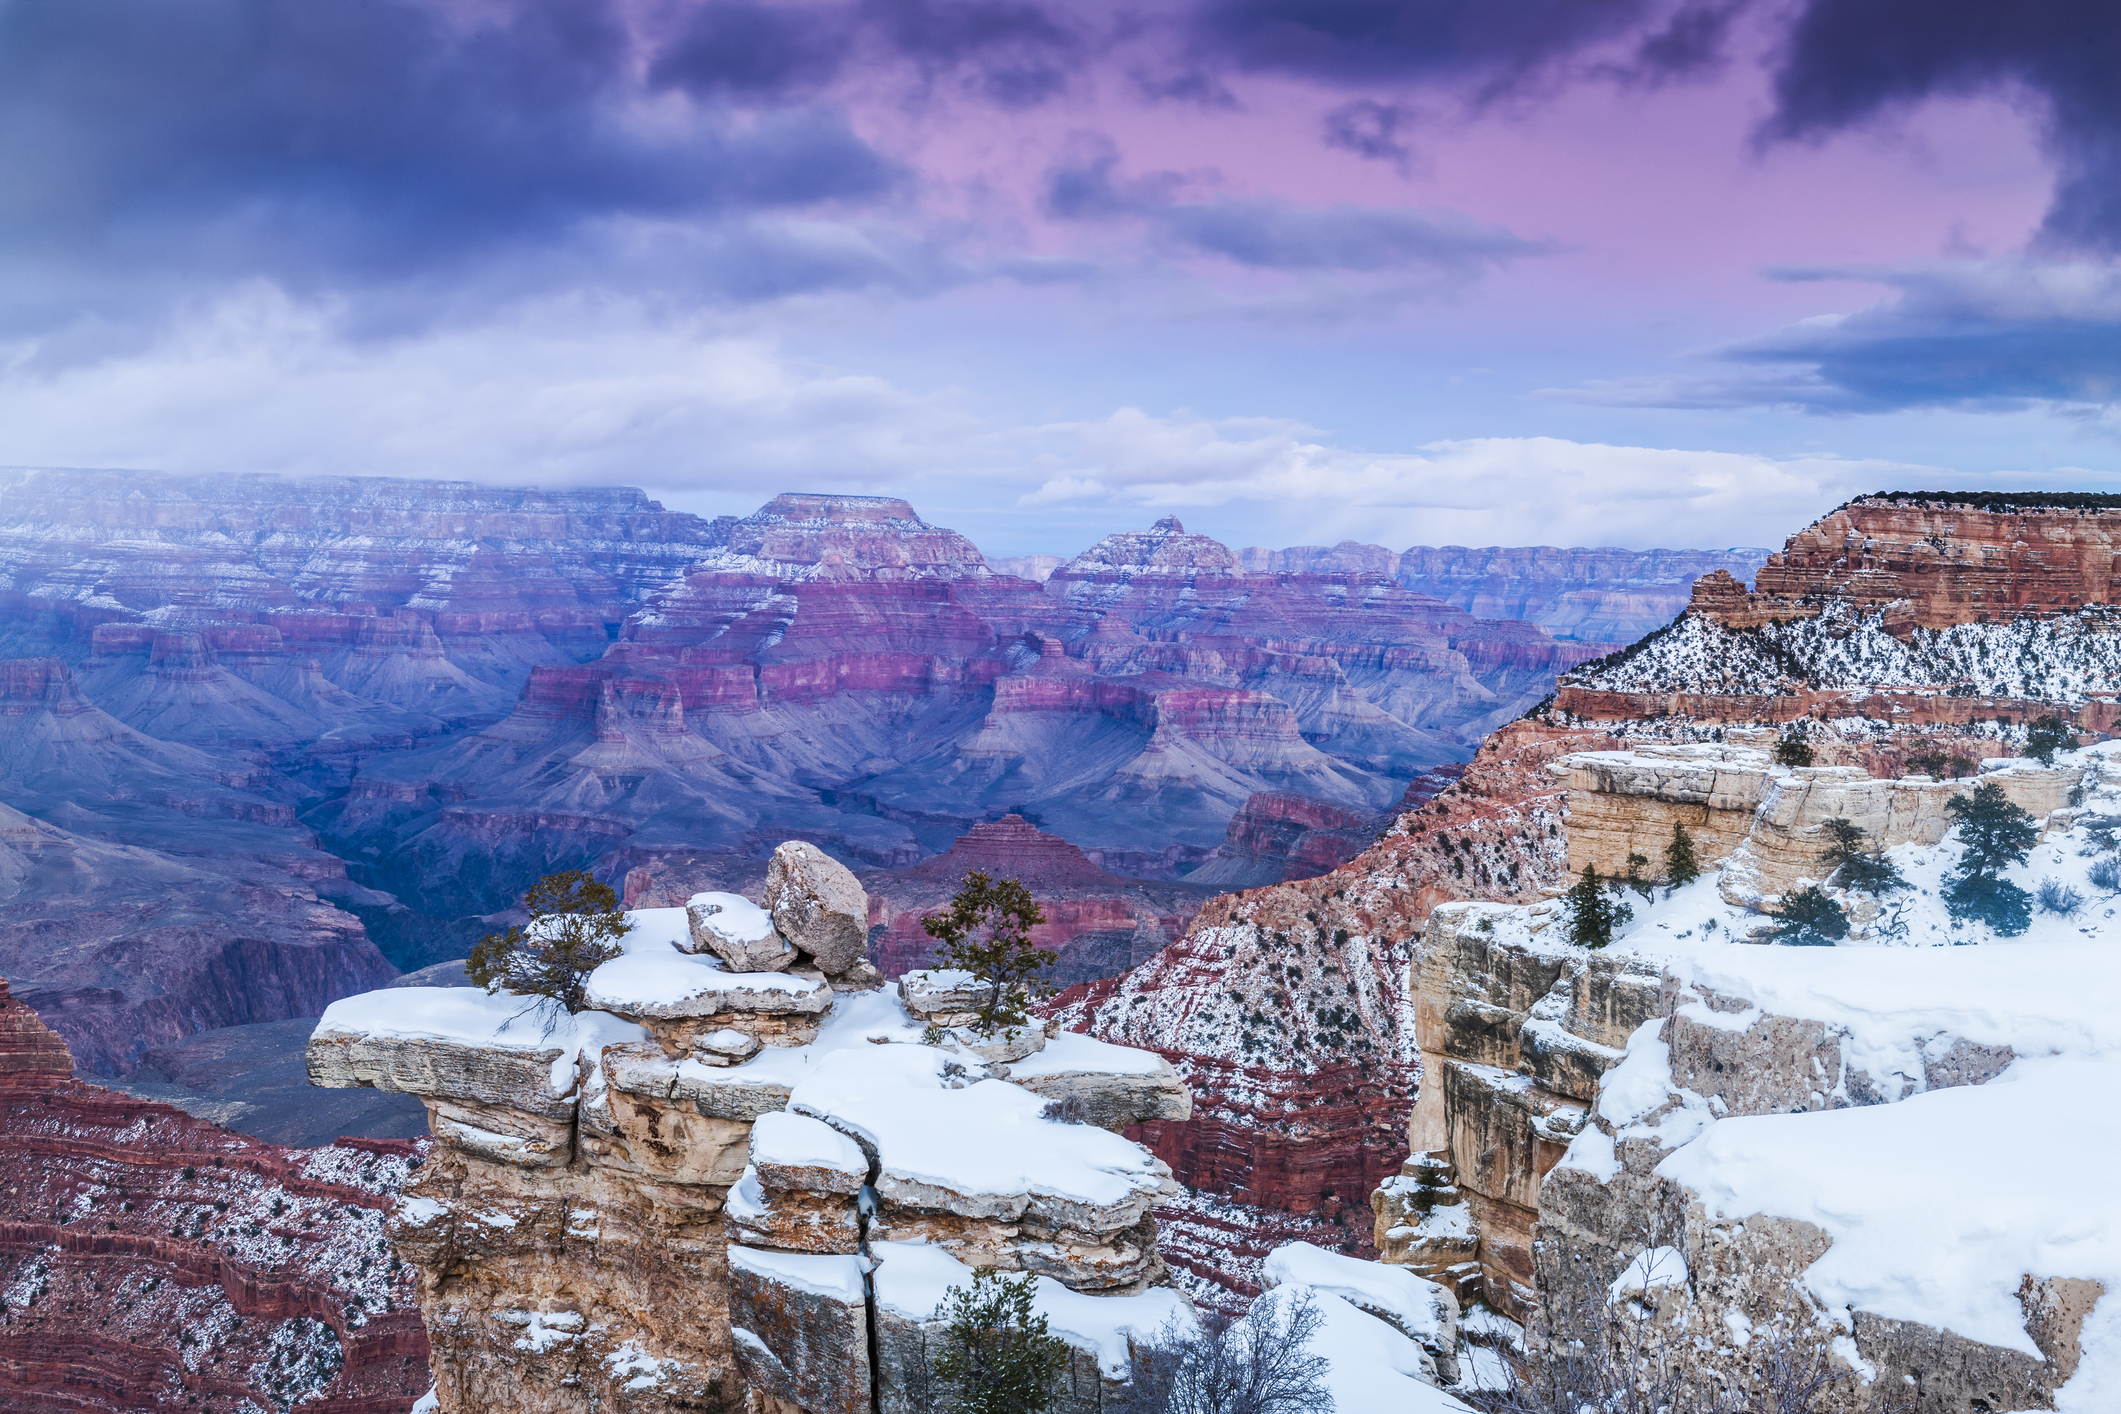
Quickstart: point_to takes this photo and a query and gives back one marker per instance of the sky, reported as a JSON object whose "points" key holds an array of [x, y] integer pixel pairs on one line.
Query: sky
{"points": [[1622, 272]]}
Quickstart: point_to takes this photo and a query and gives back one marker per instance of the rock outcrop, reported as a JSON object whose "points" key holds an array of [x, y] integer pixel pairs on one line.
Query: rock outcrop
{"points": [[711, 1187], [1761, 1148]]}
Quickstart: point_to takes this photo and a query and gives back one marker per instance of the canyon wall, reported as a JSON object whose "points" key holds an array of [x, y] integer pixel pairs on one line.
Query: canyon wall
{"points": [[1284, 1008], [152, 1260]]}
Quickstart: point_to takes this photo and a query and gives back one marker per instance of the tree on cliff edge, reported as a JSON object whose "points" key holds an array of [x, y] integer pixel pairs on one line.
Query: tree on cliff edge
{"points": [[987, 932], [575, 926], [998, 1355], [1680, 866], [1994, 834], [1593, 913]]}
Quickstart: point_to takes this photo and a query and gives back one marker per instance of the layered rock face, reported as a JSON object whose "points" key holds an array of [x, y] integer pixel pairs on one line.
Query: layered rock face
{"points": [[839, 670], [1604, 595], [723, 1186], [1902, 610], [149, 1260]]}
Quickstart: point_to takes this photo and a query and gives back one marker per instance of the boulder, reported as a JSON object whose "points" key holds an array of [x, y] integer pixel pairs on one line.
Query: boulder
{"points": [[800, 1327], [945, 996], [818, 906], [737, 931], [792, 1152]]}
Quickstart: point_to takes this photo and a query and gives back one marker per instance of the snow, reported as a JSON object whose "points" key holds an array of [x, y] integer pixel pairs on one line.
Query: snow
{"points": [[1412, 1302], [541, 1330], [671, 983], [1371, 1368], [427, 1403], [1072, 1051], [833, 1278], [988, 1137], [2061, 659], [733, 914], [466, 1016], [419, 1211], [1649, 1269], [913, 1278], [798, 1141], [1926, 1228], [747, 1200]]}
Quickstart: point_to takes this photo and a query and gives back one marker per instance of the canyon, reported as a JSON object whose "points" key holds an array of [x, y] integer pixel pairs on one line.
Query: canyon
{"points": [[268, 742]]}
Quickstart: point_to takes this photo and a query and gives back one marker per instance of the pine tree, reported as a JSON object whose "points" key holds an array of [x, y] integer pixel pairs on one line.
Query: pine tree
{"points": [[1792, 749], [987, 932], [575, 926], [998, 1354], [1810, 919], [1593, 913], [1855, 866], [1995, 834], [1680, 866], [2046, 736]]}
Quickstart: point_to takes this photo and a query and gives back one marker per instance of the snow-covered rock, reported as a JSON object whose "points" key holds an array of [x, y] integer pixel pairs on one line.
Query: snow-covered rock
{"points": [[737, 931]]}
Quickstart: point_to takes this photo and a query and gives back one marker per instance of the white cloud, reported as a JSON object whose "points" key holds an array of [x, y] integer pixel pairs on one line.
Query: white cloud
{"points": [[1480, 491], [585, 392], [561, 393]]}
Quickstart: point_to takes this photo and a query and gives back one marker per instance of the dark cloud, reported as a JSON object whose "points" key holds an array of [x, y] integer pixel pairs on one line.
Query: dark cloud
{"points": [[1989, 335], [1371, 129], [1009, 52], [1269, 234], [752, 50], [1849, 63], [326, 143], [1490, 42]]}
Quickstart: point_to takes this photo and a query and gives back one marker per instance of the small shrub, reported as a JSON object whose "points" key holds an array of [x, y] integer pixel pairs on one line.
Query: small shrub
{"points": [[575, 926], [1680, 866], [1069, 1109], [1593, 914], [2046, 736], [1810, 919], [2106, 874], [1984, 898], [998, 1355], [2054, 896], [987, 932], [1260, 1365]]}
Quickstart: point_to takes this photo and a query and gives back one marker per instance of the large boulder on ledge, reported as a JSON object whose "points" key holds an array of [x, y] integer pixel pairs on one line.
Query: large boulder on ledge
{"points": [[818, 906]]}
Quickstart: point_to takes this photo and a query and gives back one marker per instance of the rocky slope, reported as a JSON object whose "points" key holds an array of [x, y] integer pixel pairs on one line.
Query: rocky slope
{"points": [[1604, 595], [1284, 1009], [149, 1260]]}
